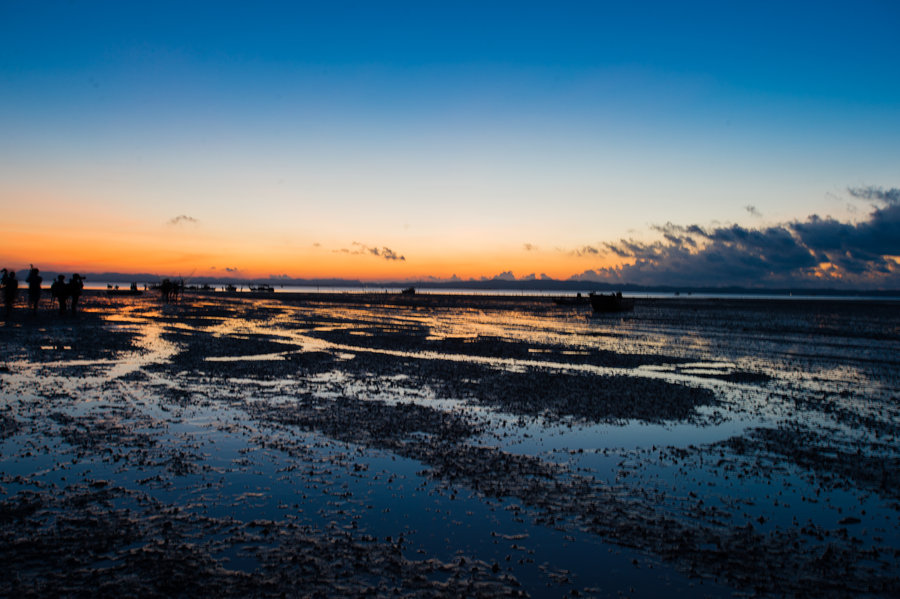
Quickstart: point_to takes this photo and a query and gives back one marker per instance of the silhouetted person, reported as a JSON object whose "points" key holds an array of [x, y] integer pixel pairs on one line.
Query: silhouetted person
{"points": [[60, 291], [75, 286], [10, 291], [165, 290], [169, 290], [34, 288]]}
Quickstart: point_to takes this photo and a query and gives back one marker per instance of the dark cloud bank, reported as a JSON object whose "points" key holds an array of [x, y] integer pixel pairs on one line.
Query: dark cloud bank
{"points": [[818, 252]]}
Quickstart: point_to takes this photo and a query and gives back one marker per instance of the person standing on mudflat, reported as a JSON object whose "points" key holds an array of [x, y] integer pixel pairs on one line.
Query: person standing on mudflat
{"points": [[34, 281], [75, 287], [10, 291], [60, 291]]}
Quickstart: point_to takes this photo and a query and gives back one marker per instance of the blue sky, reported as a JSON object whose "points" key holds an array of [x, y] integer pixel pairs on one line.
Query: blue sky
{"points": [[472, 138]]}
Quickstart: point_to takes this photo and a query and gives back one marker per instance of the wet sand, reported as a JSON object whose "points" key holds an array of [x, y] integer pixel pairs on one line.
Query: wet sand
{"points": [[351, 444]]}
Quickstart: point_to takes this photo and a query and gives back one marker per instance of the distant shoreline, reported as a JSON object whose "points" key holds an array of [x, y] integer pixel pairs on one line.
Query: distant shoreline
{"points": [[544, 287], [554, 288], [454, 297]]}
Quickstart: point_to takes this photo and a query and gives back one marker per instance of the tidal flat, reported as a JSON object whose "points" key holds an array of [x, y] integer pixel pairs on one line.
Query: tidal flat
{"points": [[338, 445]]}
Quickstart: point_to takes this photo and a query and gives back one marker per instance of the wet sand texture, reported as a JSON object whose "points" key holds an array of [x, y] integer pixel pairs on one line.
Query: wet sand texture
{"points": [[349, 445]]}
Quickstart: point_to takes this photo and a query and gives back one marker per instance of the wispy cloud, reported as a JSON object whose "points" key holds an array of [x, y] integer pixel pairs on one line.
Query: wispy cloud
{"points": [[389, 254], [529, 247], [363, 249], [891, 197], [586, 250], [182, 219]]}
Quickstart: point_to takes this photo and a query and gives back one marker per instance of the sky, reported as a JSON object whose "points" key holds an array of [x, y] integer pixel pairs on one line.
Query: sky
{"points": [[678, 143]]}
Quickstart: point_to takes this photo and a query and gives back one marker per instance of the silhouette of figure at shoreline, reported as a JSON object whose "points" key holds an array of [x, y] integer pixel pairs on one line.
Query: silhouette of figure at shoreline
{"points": [[10, 290], [74, 287], [171, 290], [34, 281], [60, 291]]}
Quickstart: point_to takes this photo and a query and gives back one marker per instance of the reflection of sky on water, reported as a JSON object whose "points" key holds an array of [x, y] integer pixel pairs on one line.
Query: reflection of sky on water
{"points": [[339, 486], [251, 472], [713, 350]]}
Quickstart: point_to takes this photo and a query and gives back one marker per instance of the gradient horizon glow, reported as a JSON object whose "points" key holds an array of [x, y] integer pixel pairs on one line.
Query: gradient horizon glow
{"points": [[403, 140]]}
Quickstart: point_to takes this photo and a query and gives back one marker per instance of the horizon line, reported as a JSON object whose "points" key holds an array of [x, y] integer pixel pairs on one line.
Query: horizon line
{"points": [[496, 283]]}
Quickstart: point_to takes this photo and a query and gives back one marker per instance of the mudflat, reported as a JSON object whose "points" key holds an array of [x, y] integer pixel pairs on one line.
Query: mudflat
{"points": [[436, 445]]}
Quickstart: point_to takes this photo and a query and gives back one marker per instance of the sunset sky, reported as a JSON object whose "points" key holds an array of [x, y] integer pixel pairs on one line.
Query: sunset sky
{"points": [[651, 142]]}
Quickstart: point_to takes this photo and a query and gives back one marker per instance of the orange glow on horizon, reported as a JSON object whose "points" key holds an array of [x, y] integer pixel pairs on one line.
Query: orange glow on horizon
{"points": [[64, 232], [133, 251]]}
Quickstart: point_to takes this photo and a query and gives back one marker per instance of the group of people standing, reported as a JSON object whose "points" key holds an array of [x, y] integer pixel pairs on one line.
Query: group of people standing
{"points": [[61, 290]]}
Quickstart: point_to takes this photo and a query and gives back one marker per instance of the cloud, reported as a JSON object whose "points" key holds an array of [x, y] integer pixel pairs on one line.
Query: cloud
{"points": [[182, 219], [752, 211], [817, 251], [362, 249], [508, 275], [587, 250], [889, 197], [389, 254], [504, 276], [529, 247]]}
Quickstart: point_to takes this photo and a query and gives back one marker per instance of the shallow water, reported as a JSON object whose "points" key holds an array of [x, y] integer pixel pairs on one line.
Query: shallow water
{"points": [[444, 445]]}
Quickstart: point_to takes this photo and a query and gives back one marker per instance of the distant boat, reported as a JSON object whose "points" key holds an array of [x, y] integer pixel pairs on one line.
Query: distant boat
{"points": [[611, 303], [408, 291]]}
